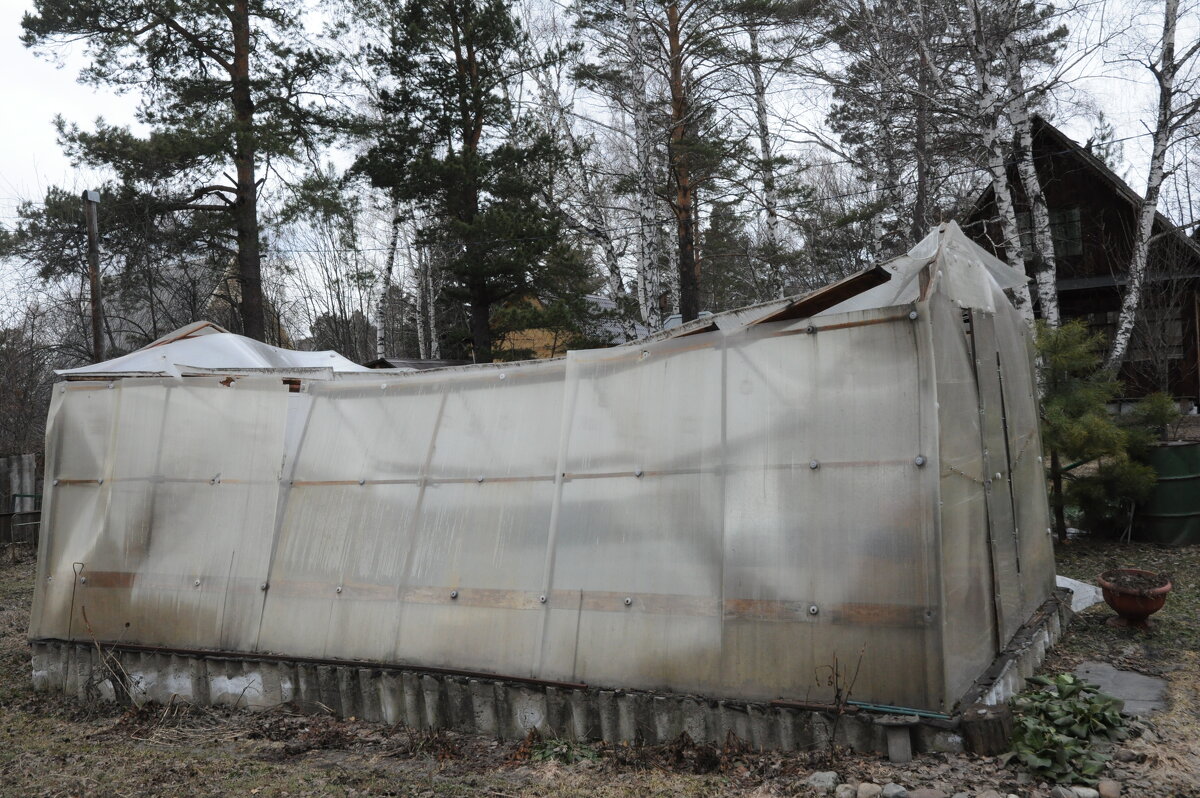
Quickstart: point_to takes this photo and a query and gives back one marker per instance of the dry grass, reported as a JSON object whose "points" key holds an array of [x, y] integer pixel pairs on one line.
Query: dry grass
{"points": [[1176, 626]]}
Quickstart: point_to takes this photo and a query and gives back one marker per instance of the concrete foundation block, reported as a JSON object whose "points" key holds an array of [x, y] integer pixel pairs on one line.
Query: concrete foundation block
{"points": [[460, 715], [349, 695], [528, 710], [432, 695], [327, 684], [585, 719], [558, 713], [483, 707], [391, 697], [667, 717], [414, 701], [272, 687], [369, 706], [41, 668], [198, 674], [628, 726], [606, 704]]}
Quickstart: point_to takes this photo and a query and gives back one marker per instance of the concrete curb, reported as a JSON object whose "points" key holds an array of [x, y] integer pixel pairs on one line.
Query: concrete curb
{"points": [[504, 709]]}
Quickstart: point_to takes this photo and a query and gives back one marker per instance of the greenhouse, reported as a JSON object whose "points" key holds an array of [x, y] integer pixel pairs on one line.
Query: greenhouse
{"points": [[755, 506]]}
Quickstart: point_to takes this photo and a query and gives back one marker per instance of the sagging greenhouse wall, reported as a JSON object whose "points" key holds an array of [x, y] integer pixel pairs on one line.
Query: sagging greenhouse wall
{"points": [[735, 513]]}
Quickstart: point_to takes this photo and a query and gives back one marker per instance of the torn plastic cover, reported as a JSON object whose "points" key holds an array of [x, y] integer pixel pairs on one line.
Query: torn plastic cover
{"points": [[967, 273]]}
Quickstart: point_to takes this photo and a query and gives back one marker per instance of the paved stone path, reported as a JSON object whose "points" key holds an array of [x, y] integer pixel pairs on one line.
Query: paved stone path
{"points": [[1142, 694]]}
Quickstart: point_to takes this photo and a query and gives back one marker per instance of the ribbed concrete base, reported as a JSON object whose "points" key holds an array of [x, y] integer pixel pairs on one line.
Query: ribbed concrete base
{"points": [[1006, 677], [477, 705], [506, 709]]}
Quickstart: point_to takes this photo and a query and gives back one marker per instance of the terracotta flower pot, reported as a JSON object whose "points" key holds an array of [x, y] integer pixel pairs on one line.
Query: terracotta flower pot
{"points": [[1133, 606]]}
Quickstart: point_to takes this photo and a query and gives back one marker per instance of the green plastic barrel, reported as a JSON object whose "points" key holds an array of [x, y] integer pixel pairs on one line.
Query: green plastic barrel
{"points": [[1171, 516]]}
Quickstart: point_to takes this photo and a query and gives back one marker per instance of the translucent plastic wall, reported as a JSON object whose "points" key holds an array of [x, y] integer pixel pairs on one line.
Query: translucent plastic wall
{"points": [[735, 513]]}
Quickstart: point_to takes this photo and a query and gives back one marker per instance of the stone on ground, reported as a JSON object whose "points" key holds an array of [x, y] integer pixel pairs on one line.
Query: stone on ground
{"points": [[1083, 595], [926, 792], [1109, 788], [1142, 694], [1085, 792], [869, 790], [894, 790], [823, 781], [845, 791]]}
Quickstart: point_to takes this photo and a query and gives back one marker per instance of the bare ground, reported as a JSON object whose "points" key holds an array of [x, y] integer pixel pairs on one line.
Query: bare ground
{"points": [[52, 746]]}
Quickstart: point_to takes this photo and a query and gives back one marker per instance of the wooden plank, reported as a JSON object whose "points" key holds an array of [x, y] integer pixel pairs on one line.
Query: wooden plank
{"points": [[832, 294]]}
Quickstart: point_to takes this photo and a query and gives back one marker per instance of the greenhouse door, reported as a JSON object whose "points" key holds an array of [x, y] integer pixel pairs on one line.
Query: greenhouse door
{"points": [[997, 478]]}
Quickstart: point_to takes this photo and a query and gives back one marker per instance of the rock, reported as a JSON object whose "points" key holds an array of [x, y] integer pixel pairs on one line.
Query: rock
{"points": [[894, 790], [990, 794], [869, 790], [961, 795], [1062, 792], [1085, 792], [1125, 755], [823, 781], [925, 792], [1109, 788], [845, 791]]}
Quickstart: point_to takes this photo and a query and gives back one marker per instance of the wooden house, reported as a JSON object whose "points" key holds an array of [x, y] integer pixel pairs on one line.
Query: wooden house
{"points": [[1093, 218]]}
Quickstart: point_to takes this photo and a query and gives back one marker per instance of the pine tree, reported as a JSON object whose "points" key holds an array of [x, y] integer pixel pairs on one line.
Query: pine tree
{"points": [[455, 147], [225, 86]]}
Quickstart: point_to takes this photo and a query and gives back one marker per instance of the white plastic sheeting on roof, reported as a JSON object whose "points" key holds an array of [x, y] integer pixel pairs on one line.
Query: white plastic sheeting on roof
{"points": [[205, 348], [968, 275]]}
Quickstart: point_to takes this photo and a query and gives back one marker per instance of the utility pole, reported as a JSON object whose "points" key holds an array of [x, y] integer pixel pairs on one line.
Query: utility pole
{"points": [[90, 200]]}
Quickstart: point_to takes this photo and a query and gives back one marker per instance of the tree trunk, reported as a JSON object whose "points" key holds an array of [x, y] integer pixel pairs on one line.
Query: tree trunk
{"points": [[479, 320], [389, 270], [647, 234], [988, 109], [431, 293], [1056, 496], [1165, 73], [420, 300], [681, 171], [246, 202], [920, 220], [771, 242], [1044, 263]]}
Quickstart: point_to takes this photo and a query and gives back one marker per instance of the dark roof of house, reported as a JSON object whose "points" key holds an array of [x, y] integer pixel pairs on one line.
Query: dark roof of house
{"points": [[1065, 145]]}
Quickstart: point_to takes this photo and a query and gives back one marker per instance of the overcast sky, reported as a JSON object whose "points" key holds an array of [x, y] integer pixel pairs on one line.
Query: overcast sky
{"points": [[36, 89]]}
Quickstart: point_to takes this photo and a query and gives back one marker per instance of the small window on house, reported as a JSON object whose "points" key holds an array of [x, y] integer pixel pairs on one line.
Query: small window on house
{"points": [[1067, 231]]}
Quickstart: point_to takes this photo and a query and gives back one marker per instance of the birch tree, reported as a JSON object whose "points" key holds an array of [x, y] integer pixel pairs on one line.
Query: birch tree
{"points": [[989, 106], [1178, 83]]}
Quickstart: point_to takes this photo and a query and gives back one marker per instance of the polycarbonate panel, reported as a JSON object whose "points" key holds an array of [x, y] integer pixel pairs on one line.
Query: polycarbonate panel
{"points": [[640, 517], [825, 562], [969, 624], [85, 422]]}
